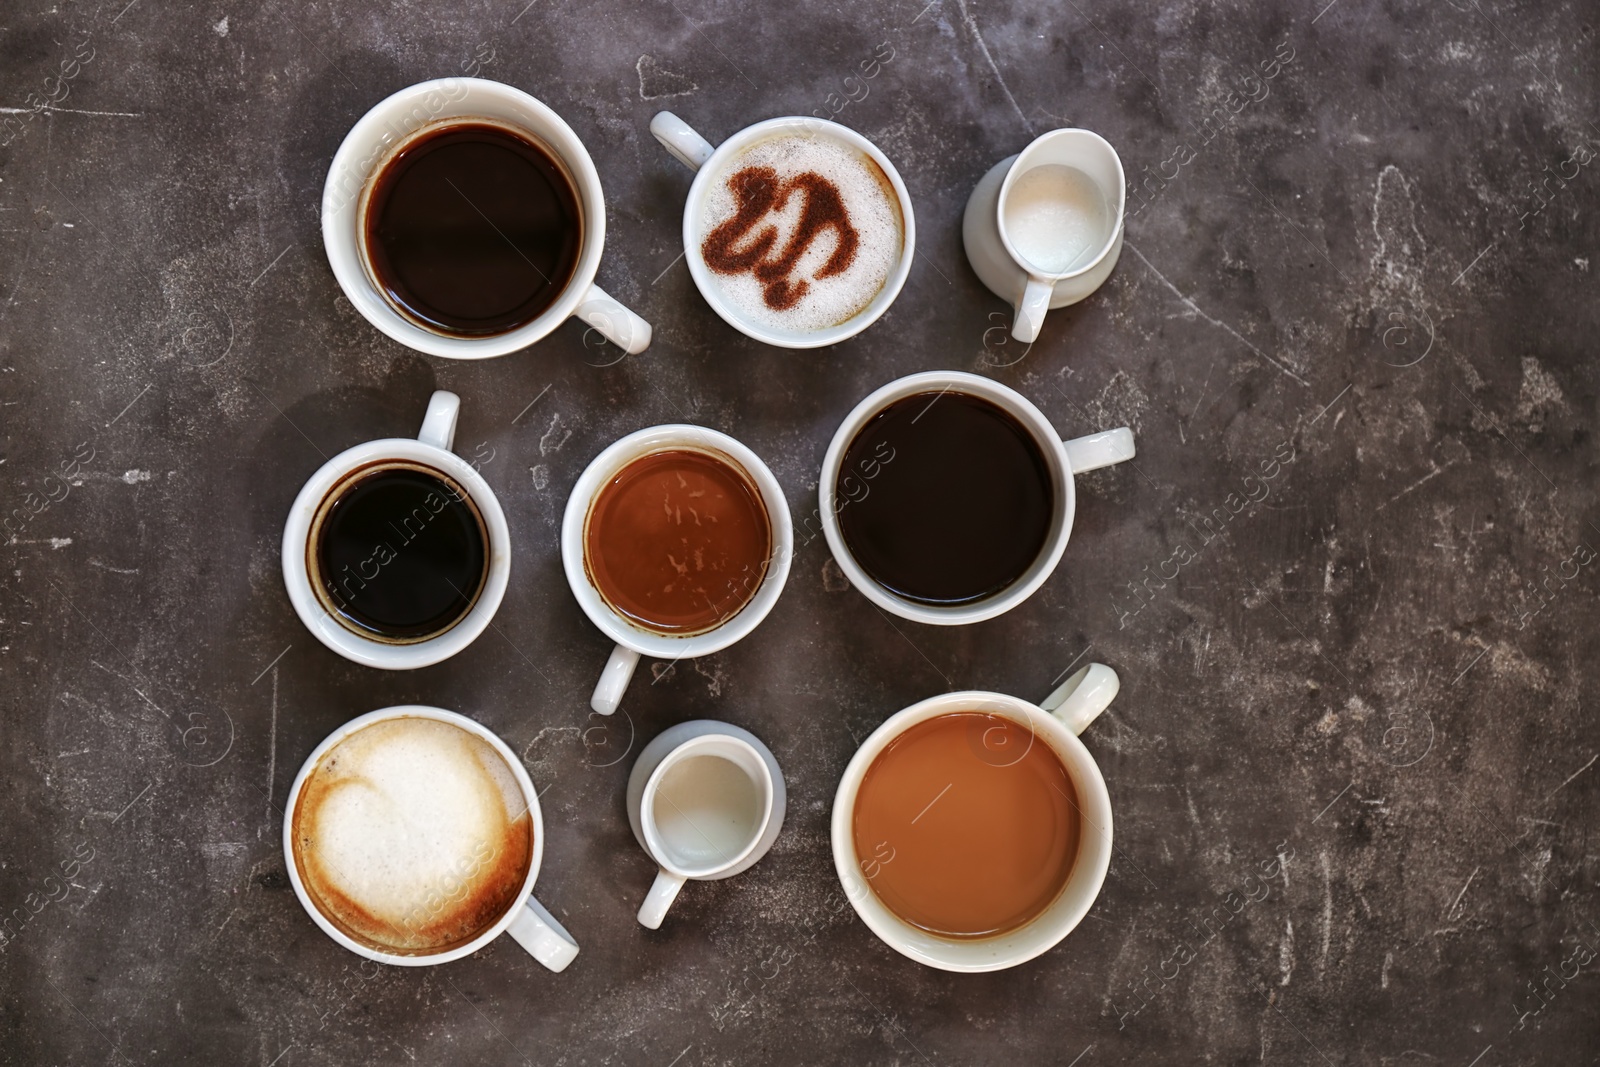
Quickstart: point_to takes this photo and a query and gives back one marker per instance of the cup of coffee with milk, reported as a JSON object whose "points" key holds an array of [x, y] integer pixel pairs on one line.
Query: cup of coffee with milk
{"points": [[972, 831], [413, 836], [797, 231]]}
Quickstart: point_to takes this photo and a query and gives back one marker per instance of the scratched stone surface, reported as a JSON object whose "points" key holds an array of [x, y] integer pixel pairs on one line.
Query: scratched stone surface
{"points": [[1353, 776]]}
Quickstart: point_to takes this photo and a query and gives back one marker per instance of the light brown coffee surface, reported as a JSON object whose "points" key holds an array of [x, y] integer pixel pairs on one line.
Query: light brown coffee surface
{"points": [[412, 836], [678, 541], [967, 825]]}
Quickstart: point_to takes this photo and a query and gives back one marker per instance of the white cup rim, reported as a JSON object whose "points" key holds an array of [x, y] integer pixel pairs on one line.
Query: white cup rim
{"points": [[1050, 445], [708, 286], [685, 750], [369, 142], [611, 460], [529, 794], [1011, 177], [1030, 940], [328, 629]]}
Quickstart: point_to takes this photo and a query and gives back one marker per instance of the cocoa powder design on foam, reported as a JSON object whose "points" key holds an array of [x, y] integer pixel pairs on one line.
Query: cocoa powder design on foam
{"points": [[759, 193]]}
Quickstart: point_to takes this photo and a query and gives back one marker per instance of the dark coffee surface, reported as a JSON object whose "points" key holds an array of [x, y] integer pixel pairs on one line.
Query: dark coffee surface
{"points": [[678, 541], [401, 554], [959, 504], [473, 230], [967, 825]]}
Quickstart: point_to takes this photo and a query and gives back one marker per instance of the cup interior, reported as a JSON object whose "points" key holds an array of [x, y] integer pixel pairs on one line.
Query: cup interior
{"points": [[1093, 155], [713, 171], [602, 469], [524, 784], [1044, 931], [398, 120], [706, 806], [835, 486]]}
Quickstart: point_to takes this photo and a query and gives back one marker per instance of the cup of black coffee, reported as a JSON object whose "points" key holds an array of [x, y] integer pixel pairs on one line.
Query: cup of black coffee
{"points": [[465, 219], [396, 553], [947, 498]]}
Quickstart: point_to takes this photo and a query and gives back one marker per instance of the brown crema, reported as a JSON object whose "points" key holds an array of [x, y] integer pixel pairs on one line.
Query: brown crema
{"points": [[678, 541], [759, 193], [967, 825]]}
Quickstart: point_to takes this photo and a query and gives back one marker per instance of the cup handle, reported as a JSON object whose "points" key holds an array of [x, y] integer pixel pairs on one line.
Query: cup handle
{"points": [[659, 899], [616, 323], [613, 680], [679, 138], [439, 424], [1032, 307], [1079, 700], [546, 940], [1099, 449]]}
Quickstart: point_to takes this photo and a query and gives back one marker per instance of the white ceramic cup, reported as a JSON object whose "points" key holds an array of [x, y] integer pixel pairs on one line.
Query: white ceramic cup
{"points": [[1064, 458], [430, 448], [396, 122], [993, 254], [693, 831], [1056, 721], [527, 921], [632, 641], [698, 154]]}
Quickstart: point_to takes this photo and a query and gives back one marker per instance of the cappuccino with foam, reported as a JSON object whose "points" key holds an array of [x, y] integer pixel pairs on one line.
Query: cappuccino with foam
{"points": [[412, 836], [801, 231]]}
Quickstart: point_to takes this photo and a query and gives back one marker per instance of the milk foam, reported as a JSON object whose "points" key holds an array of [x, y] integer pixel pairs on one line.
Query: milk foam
{"points": [[412, 833], [1057, 217], [873, 210]]}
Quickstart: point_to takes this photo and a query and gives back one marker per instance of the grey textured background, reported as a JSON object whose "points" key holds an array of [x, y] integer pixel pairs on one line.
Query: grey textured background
{"points": [[1380, 258]]}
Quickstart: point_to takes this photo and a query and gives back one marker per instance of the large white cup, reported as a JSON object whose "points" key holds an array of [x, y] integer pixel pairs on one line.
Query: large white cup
{"points": [[527, 921], [993, 253], [394, 123], [1064, 459], [1056, 721], [692, 832], [430, 448], [698, 154], [632, 641]]}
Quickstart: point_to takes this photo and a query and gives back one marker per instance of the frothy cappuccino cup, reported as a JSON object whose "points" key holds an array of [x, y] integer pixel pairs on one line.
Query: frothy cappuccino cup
{"points": [[413, 837], [797, 231]]}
